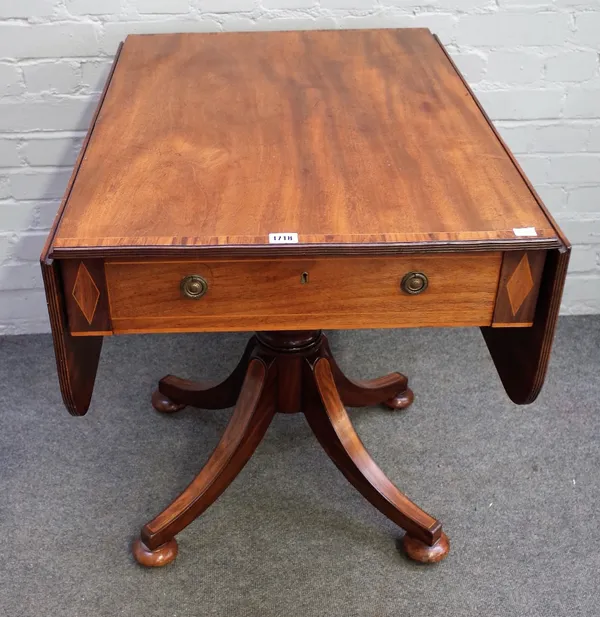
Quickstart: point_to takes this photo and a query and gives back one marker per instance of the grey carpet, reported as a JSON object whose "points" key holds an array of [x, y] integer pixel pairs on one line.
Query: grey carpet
{"points": [[516, 487]]}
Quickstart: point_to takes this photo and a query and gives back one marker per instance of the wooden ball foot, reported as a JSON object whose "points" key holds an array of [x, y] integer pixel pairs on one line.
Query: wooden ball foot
{"points": [[163, 404], [401, 401], [161, 556], [419, 551]]}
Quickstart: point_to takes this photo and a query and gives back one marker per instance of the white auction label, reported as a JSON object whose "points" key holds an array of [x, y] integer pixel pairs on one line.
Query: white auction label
{"points": [[524, 231], [283, 238]]}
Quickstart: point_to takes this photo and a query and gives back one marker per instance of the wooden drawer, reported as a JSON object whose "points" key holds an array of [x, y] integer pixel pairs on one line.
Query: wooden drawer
{"points": [[303, 293]]}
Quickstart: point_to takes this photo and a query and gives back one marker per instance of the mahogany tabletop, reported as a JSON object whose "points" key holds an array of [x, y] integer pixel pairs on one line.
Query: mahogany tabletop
{"points": [[361, 140]]}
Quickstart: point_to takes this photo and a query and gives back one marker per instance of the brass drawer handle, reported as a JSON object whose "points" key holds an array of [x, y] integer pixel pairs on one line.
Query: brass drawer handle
{"points": [[414, 283], [193, 286]]}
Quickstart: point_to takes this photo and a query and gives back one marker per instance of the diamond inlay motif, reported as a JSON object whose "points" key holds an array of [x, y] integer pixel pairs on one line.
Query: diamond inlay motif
{"points": [[519, 285], [86, 293]]}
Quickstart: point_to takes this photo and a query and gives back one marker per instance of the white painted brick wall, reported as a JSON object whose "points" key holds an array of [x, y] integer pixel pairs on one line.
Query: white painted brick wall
{"points": [[533, 63]]}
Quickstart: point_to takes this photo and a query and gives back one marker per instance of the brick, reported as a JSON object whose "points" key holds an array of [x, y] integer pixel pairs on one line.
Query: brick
{"points": [[57, 152], [26, 326], [575, 168], [581, 231], [6, 245], [94, 75], [230, 6], [344, 4], [513, 29], [55, 114], [21, 276], [46, 213], [11, 82], [4, 186], [537, 5], [584, 259], [295, 23], [587, 26], [535, 167], [23, 215], [463, 6], [572, 66], [288, 4], [9, 155], [115, 32], [161, 6], [27, 8], [442, 24], [593, 143], [581, 295], [237, 23], [567, 4], [471, 65], [514, 67], [522, 104], [17, 305], [554, 197], [58, 77], [95, 7], [582, 102], [17, 216], [559, 138], [39, 184], [524, 4], [48, 40], [29, 246], [518, 138], [584, 199]]}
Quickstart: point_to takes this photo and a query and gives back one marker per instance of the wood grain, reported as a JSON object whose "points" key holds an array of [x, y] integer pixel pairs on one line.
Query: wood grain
{"points": [[559, 233], [364, 393], [330, 423], [76, 359], [208, 395], [288, 372], [352, 137], [48, 245], [251, 418], [269, 295], [86, 296], [521, 355], [419, 551], [520, 280]]}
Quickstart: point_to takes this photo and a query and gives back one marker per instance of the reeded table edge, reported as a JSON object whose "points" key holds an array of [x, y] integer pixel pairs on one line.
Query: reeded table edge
{"points": [[304, 250]]}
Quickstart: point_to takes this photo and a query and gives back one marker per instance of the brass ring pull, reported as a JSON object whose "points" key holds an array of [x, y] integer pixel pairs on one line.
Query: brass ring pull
{"points": [[414, 283], [193, 286]]}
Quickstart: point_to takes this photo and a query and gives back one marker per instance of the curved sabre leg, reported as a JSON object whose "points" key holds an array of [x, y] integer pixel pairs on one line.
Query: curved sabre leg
{"points": [[251, 418], [328, 419], [174, 393], [391, 390]]}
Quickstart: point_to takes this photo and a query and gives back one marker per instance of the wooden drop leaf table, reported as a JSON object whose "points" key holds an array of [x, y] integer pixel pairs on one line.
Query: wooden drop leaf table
{"points": [[282, 183]]}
